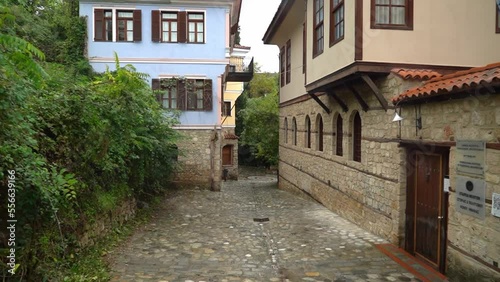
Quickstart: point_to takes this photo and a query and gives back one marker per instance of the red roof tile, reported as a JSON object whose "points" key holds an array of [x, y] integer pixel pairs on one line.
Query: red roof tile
{"points": [[230, 136], [453, 82], [416, 73]]}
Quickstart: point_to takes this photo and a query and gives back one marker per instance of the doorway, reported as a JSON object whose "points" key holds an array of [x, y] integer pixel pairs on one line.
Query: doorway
{"points": [[427, 205]]}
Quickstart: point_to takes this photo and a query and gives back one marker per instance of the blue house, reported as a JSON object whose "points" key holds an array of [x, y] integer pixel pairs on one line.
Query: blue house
{"points": [[184, 46]]}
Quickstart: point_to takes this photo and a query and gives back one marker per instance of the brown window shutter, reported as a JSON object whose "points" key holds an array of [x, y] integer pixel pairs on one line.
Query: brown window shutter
{"points": [[155, 85], [181, 92], [182, 28], [207, 95], [98, 24], [222, 96], [155, 26], [137, 25]]}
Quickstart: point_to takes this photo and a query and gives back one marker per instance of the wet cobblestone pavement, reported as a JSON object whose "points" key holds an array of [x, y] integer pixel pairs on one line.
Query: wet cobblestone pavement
{"points": [[201, 235]]}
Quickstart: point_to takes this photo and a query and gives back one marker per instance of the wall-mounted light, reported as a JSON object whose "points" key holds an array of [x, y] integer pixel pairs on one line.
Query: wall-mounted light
{"points": [[418, 122], [397, 117]]}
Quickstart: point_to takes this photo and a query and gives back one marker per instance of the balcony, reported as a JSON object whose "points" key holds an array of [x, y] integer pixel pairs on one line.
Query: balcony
{"points": [[232, 74]]}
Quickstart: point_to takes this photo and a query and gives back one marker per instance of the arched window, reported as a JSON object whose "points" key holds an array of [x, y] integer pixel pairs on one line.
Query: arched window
{"points": [[356, 138], [339, 136], [286, 131], [227, 155], [294, 132], [319, 128], [308, 132]]}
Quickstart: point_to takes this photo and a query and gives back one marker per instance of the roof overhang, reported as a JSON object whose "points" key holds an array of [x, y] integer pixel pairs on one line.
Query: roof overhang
{"points": [[278, 18]]}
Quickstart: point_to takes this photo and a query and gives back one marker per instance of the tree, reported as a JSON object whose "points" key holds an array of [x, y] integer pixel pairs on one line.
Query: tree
{"points": [[261, 127], [262, 83]]}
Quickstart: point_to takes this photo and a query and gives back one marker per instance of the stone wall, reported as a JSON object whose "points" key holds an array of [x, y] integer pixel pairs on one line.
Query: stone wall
{"points": [[97, 230], [369, 193], [473, 244], [199, 158], [372, 193]]}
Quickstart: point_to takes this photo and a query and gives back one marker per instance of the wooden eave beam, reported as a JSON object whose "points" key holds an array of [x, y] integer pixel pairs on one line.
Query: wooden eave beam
{"points": [[376, 91], [358, 97], [319, 102], [342, 104]]}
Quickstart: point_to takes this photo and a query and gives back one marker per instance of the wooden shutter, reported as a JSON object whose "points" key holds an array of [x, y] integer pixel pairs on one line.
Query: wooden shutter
{"points": [[137, 25], [340, 136], [181, 95], [98, 24], [207, 95], [182, 28], [155, 26], [155, 85], [357, 138]]}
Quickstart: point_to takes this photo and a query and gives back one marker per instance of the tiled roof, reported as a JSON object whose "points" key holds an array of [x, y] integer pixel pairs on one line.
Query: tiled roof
{"points": [[454, 82], [416, 73], [230, 136]]}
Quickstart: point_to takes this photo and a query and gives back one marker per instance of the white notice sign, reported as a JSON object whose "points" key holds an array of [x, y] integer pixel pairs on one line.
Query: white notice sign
{"points": [[470, 158], [495, 205]]}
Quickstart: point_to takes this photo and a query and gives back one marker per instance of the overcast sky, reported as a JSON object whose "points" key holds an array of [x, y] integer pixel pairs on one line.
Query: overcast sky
{"points": [[255, 17]]}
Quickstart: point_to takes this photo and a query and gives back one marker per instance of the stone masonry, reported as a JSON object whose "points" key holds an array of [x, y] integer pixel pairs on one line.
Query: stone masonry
{"points": [[372, 193], [200, 158]]}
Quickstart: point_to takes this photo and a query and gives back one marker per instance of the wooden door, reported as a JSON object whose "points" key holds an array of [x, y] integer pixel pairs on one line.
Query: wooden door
{"points": [[428, 211], [427, 204]]}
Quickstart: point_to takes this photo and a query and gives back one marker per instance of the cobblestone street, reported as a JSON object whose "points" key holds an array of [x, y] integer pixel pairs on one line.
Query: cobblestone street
{"points": [[201, 235]]}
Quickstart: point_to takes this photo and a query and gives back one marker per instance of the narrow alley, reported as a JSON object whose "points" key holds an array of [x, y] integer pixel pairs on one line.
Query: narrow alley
{"points": [[251, 231]]}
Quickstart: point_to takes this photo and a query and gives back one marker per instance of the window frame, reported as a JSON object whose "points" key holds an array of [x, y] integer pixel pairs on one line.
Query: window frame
{"points": [[357, 133], [333, 9], [136, 23], [126, 20], [282, 66], [339, 136], [188, 21], [170, 21], [497, 22], [184, 88], [288, 62], [318, 26], [408, 16], [308, 132], [320, 133], [226, 110], [168, 93], [294, 131], [285, 129]]}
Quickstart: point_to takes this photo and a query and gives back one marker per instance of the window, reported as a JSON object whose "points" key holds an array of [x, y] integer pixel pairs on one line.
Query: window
{"points": [[286, 131], [196, 27], [392, 14], [304, 48], [339, 136], [282, 66], [308, 132], [195, 96], [318, 40], [226, 110], [294, 132], [169, 26], [319, 127], [184, 94], [177, 26], [169, 98], [126, 22], [227, 155], [356, 136], [288, 61], [498, 17], [336, 21]]}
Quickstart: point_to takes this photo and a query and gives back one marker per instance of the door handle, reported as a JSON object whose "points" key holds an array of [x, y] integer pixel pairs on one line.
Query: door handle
{"points": [[440, 217]]}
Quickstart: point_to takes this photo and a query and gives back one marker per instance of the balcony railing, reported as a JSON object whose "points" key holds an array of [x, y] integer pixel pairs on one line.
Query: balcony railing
{"points": [[239, 76]]}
